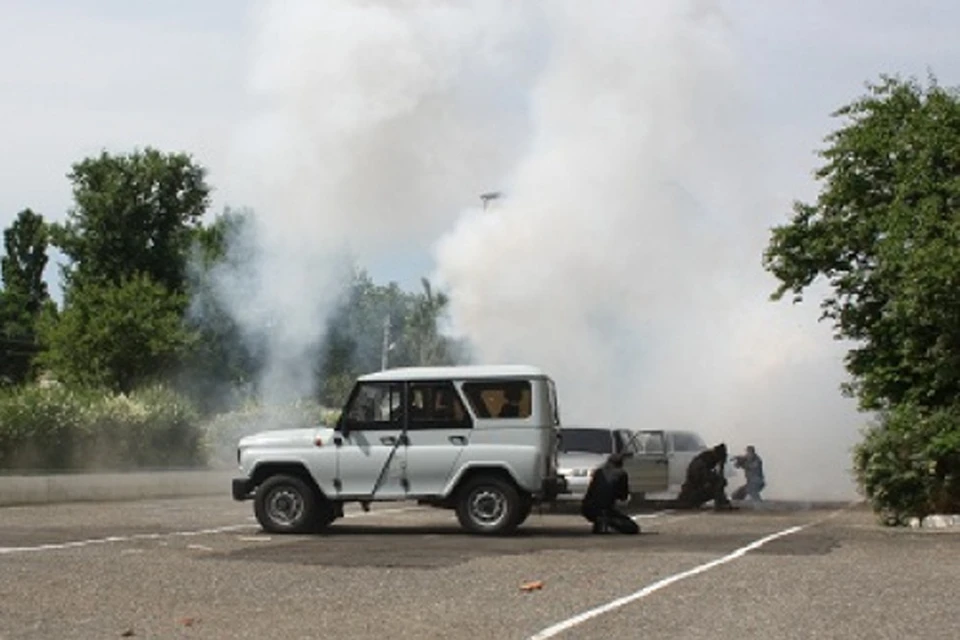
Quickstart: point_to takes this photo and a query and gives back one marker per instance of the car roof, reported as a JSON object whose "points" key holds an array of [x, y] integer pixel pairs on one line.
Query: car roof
{"points": [[462, 372]]}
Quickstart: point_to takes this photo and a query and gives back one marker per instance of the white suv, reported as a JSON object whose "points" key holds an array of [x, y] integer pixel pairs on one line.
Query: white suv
{"points": [[480, 440]]}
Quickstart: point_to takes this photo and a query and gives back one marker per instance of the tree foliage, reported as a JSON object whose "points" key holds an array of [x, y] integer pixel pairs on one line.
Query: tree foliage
{"points": [[354, 338], [117, 336], [24, 293], [884, 233], [135, 213], [909, 463], [143, 304]]}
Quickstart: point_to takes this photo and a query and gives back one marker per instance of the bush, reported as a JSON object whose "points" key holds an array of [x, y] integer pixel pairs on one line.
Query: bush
{"points": [[225, 430], [67, 429], [908, 465]]}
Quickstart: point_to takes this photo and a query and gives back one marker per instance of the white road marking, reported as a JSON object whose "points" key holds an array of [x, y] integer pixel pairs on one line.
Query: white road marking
{"points": [[569, 623], [655, 514], [157, 536]]}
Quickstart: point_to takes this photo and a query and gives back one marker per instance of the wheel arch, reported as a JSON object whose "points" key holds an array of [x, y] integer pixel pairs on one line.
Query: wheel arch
{"points": [[468, 474], [295, 468]]}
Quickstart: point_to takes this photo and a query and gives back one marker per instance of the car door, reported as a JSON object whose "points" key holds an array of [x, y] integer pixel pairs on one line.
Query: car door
{"points": [[371, 456], [439, 429], [647, 465]]}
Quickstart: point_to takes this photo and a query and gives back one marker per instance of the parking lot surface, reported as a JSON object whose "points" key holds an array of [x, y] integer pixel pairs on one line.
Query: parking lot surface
{"points": [[201, 568]]}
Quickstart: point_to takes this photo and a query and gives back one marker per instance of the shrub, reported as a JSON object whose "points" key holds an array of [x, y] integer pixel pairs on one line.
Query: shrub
{"points": [[908, 465], [60, 429]]}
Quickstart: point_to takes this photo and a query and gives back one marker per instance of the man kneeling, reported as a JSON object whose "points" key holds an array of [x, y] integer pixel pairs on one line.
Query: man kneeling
{"points": [[608, 485]]}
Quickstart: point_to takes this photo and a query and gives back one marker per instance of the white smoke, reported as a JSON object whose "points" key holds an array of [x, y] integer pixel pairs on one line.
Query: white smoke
{"points": [[376, 122], [625, 256]]}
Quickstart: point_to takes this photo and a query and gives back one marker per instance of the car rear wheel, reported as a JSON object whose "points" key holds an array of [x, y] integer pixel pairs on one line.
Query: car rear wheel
{"points": [[287, 504], [490, 505]]}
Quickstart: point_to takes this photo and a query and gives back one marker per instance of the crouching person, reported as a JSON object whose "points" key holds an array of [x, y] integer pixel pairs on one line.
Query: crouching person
{"points": [[608, 485], [705, 480]]}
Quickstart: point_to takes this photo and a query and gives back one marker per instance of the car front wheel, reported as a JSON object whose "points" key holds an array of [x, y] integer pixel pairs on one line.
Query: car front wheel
{"points": [[287, 504]]}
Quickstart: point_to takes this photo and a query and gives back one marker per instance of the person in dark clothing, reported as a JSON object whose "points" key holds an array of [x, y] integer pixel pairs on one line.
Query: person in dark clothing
{"points": [[608, 485], [705, 481]]}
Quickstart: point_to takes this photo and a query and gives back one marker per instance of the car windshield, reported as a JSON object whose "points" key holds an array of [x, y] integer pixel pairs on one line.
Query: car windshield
{"points": [[585, 440]]}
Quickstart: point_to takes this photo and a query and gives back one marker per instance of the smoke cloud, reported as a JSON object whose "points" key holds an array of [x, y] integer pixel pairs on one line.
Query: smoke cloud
{"points": [[624, 257]]}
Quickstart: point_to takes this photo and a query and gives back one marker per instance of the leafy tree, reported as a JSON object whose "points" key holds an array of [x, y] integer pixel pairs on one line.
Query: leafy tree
{"points": [[24, 294], [909, 463], [354, 339], [135, 214], [117, 336], [427, 346], [885, 234]]}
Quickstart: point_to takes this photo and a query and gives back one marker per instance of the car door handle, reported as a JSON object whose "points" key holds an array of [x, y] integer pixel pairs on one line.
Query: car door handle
{"points": [[458, 440], [388, 440]]}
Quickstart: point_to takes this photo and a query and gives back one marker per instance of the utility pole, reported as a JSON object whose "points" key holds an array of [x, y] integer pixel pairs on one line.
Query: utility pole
{"points": [[487, 197], [384, 350]]}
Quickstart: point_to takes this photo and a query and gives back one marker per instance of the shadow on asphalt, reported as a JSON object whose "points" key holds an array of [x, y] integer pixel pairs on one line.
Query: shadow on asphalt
{"points": [[454, 531], [436, 547]]}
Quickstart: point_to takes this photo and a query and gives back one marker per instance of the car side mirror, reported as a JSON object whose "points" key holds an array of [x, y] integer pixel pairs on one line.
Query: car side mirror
{"points": [[343, 426]]}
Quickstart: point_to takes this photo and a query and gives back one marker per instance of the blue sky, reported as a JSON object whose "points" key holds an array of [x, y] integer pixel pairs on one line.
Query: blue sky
{"points": [[78, 76]]}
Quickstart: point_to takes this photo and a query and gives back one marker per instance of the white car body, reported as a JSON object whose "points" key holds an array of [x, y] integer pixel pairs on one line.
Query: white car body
{"points": [[584, 448], [680, 447], [651, 450], [419, 433]]}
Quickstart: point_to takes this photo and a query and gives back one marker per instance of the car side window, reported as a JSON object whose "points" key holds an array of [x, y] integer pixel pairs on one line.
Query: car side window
{"points": [[685, 442], [649, 443], [434, 405], [376, 405], [622, 442], [499, 398]]}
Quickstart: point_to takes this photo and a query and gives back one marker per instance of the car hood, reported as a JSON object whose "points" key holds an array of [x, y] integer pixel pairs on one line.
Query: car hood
{"points": [[581, 460], [286, 437]]}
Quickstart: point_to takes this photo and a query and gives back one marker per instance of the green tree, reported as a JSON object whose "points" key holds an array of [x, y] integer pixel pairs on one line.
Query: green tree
{"points": [[353, 343], [135, 214], [116, 336], [884, 233], [24, 293], [427, 346]]}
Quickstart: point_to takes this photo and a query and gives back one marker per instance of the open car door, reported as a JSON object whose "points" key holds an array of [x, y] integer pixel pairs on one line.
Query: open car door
{"points": [[647, 465]]}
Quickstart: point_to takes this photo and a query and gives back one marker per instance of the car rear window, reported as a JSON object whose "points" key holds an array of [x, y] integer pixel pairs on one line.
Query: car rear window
{"points": [[499, 398]]}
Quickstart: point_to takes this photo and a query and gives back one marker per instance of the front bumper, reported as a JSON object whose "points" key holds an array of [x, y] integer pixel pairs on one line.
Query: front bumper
{"points": [[241, 488]]}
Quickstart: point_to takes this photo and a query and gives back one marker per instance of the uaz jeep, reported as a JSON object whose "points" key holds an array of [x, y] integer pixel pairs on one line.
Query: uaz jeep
{"points": [[479, 440]]}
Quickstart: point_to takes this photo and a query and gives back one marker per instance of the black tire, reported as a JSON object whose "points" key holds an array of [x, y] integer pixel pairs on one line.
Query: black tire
{"points": [[489, 505], [526, 507], [287, 504]]}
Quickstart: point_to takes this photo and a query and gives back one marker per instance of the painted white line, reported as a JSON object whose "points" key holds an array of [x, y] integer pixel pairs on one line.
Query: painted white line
{"points": [[157, 536], [655, 514], [569, 623]]}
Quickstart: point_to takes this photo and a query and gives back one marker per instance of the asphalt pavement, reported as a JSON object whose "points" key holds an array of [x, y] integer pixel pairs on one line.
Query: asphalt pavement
{"points": [[201, 568]]}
